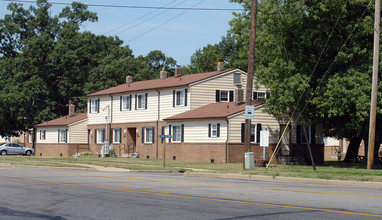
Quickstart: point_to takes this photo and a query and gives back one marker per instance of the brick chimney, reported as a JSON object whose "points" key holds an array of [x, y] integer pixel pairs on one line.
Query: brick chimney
{"points": [[178, 71], [163, 74], [129, 79], [72, 109], [220, 66], [239, 95]]}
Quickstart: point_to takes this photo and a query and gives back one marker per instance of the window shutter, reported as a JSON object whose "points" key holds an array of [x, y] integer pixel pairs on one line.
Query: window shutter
{"points": [[173, 98], [231, 96], [104, 135], [154, 135], [185, 97], [146, 101], [258, 129], [111, 136], [182, 140], [298, 134], [209, 130], [313, 134], [120, 103], [40, 134], [162, 139], [120, 135], [217, 95], [90, 106], [143, 135], [95, 136], [66, 136], [59, 135], [254, 95], [242, 132], [136, 97], [130, 102], [218, 130], [98, 104], [169, 132]]}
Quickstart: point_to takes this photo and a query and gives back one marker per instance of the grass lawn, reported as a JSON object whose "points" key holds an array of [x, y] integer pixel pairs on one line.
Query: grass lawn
{"points": [[330, 170]]}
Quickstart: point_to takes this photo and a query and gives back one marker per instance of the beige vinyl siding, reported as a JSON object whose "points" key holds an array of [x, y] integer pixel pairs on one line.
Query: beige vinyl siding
{"points": [[3, 139], [166, 103], [99, 118], [78, 132], [197, 131], [267, 121], [136, 115], [51, 134], [204, 92]]}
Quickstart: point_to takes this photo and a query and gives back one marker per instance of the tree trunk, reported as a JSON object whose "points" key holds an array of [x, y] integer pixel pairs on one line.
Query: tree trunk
{"points": [[352, 150]]}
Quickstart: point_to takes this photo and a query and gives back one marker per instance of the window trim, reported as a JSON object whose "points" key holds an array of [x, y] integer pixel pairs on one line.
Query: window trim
{"points": [[123, 100], [211, 130], [61, 134], [144, 95], [120, 135], [221, 95], [148, 131], [98, 135], [233, 80], [181, 102], [94, 105], [181, 133]]}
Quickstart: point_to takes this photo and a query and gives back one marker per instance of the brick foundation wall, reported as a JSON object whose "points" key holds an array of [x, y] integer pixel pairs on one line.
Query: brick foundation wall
{"points": [[196, 152], [59, 150], [236, 152]]}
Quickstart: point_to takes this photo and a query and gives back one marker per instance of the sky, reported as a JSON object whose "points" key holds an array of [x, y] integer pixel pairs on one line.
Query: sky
{"points": [[177, 33]]}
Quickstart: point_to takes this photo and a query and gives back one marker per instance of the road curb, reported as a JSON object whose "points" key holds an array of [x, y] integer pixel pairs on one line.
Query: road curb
{"points": [[281, 179]]}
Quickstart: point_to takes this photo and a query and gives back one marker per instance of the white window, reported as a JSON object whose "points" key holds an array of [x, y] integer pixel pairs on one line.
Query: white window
{"points": [[116, 135], [42, 134], [214, 130], [224, 96], [237, 78], [180, 98], [126, 103], [94, 105], [261, 95], [100, 136], [141, 102], [177, 133], [308, 133], [63, 135], [148, 135]]}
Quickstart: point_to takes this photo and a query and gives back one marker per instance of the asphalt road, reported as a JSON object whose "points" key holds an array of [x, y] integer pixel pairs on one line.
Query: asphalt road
{"points": [[30, 193]]}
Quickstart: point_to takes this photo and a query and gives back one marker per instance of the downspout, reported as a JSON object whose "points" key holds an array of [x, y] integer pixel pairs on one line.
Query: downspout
{"points": [[157, 124], [226, 142]]}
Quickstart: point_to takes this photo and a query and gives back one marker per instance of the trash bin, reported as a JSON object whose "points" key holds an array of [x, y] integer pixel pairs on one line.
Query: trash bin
{"points": [[249, 159]]}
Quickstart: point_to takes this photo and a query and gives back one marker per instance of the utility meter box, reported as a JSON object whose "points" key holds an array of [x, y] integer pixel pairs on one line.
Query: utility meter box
{"points": [[249, 159]]}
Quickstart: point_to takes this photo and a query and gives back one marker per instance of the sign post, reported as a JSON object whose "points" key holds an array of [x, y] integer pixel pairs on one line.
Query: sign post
{"points": [[164, 147], [264, 142]]}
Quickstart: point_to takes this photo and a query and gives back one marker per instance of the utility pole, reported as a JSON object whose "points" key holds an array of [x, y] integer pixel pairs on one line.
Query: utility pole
{"points": [[374, 88], [251, 66]]}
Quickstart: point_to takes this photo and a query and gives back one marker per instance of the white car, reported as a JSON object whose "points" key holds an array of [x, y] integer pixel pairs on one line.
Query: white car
{"points": [[14, 148]]}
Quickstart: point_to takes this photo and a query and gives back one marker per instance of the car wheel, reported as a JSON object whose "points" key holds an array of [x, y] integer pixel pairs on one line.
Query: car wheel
{"points": [[3, 152], [28, 153]]}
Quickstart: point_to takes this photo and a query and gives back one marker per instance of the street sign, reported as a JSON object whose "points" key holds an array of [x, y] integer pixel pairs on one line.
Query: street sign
{"points": [[264, 138], [165, 136], [249, 110]]}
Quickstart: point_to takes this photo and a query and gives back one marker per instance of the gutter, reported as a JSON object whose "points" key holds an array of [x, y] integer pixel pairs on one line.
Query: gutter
{"points": [[157, 125], [226, 142]]}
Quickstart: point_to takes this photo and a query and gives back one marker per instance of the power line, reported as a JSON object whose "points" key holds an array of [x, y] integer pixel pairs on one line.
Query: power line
{"points": [[164, 22], [137, 18], [137, 7]]}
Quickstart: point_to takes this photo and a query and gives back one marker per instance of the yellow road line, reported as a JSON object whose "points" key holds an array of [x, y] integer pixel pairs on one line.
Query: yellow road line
{"points": [[194, 197], [236, 185]]}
